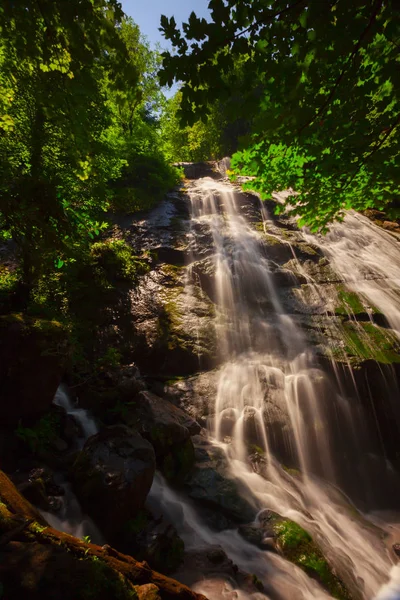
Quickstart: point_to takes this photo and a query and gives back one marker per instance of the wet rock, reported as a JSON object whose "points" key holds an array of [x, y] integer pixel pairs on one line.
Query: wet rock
{"points": [[154, 540], [210, 569], [319, 272], [258, 537], [199, 169], [273, 532], [168, 428], [112, 387], [172, 423], [195, 394], [174, 324], [113, 475], [210, 484], [171, 256], [40, 489], [33, 353]]}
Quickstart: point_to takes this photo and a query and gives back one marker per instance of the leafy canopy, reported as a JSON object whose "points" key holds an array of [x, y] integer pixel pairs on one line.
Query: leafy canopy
{"points": [[321, 86]]}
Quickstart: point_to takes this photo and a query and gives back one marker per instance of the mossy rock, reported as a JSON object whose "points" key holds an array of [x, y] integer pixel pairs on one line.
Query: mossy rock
{"points": [[349, 303], [365, 340], [297, 545]]}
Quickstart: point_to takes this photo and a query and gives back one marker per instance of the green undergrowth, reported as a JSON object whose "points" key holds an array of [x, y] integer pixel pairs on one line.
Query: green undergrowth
{"points": [[137, 524], [144, 182], [8, 284], [101, 579], [40, 435]]}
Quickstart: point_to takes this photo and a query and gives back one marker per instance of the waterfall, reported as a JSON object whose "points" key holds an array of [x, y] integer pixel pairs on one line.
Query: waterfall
{"points": [[368, 258], [80, 415], [70, 518], [273, 392]]}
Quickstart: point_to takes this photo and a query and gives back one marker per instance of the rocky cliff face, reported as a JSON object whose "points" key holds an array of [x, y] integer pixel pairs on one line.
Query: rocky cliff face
{"points": [[175, 341]]}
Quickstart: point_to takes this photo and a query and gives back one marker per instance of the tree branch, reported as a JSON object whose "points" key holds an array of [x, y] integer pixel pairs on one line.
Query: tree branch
{"points": [[374, 150], [262, 20], [377, 7]]}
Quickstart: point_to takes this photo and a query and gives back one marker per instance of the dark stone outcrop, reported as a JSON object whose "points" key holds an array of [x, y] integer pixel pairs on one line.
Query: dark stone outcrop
{"points": [[199, 169], [223, 577], [168, 428], [211, 485], [113, 475], [33, 353]]}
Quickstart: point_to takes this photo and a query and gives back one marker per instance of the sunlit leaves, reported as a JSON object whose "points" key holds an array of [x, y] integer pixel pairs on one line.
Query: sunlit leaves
{"points": [[328, 85]]}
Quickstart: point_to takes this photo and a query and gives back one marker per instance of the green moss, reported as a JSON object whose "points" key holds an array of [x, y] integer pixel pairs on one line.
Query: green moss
{"points": [[271, 240], [369, 341], [5, 518], [173, 271], [41, 435], [36, 528], [298, 547], [290, 535], [254, 449], [291, 471], [173, 379], [118, 260], [350, 302], [101, 579], [137, 524], [257, 582]]}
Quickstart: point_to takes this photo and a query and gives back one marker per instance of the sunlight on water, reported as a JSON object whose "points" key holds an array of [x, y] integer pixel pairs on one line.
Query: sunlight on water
{"points": [[273, 393]]}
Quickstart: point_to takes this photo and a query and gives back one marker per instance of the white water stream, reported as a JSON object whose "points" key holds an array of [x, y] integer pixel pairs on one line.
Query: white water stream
{"points": [[70, 518], [368, 259], [270, 374]]}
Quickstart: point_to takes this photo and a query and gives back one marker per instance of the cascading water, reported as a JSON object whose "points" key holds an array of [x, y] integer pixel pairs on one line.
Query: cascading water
{"points": [[80, 415], [70, 517], [368, 259], [273, 393]]}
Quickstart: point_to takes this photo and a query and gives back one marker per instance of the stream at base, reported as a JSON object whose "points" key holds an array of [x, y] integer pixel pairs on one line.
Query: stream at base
{"points": [[273, 391]]}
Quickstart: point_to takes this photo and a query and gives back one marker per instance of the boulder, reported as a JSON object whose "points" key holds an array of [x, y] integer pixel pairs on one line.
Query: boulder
{"points": [[272, 532], [33, 353], [210, 484], [211, 569], [154, 540], [119, 385], [113, 475], [168, 428]]}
